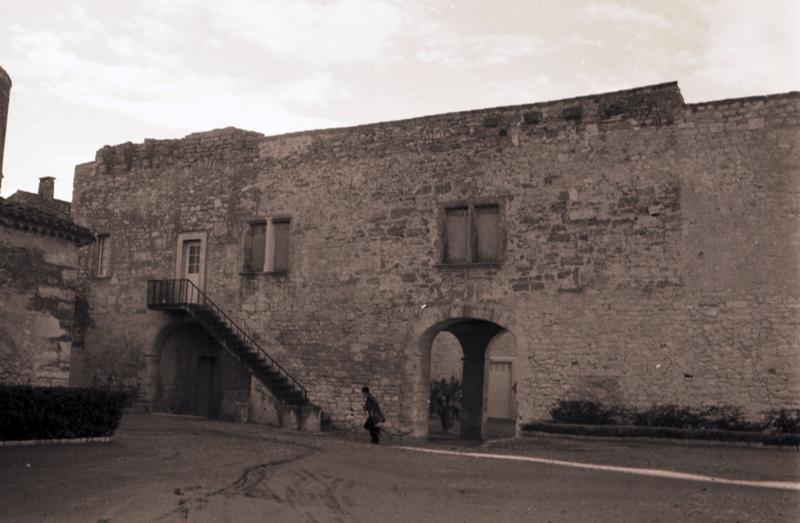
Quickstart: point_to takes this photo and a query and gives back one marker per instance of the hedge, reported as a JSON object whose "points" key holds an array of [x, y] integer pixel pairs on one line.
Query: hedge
{"points": [[582, 412], [28, 412], [722, 423]]}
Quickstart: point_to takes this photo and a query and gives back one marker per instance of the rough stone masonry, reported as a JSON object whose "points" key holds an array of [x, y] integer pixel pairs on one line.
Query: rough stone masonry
{"points": [[643, 251], [5, 88]]}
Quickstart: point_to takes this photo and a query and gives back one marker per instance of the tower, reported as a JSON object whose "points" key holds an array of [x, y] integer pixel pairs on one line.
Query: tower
{"points": [[5, 89]]}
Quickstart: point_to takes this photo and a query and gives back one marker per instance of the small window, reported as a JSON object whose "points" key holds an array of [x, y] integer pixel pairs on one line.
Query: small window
{"points": [[472, 234], [103, 256], [267, 245], [193, 262], [255, 246]]}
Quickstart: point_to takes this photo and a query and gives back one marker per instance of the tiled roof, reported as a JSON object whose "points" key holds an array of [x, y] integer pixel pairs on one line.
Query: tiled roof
{"points": [[60, 208], [34, 219]]}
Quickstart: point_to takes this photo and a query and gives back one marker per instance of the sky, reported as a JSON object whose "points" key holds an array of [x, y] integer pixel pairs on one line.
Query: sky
{"points": [[97, 72]]}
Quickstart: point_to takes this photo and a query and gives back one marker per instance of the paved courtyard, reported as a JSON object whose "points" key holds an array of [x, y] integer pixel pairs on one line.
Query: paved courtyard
{"points": [[168, 468]]}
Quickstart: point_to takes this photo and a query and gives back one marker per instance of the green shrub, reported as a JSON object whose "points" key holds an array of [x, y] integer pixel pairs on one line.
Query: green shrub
{"points": [[708, 418], [727, 418], [445, 400], [444, 392], [669, 416], [584, 413], [58, 412], [783, 421]]}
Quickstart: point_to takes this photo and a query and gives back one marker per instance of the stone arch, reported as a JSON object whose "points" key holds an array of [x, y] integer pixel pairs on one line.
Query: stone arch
{"points": [[188, 370], [480, 324]]}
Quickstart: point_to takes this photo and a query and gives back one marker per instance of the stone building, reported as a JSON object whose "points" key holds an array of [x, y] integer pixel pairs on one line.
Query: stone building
{"points": [[629, 247], [41, 312], [41, 309]]}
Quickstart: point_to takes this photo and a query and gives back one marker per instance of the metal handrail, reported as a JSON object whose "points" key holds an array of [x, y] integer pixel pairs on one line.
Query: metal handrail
{"points": [[183, 292]]}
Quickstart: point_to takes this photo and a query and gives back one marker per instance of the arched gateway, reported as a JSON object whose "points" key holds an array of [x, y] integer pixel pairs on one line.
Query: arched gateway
{"points": [[474, 328], [195, 374]]}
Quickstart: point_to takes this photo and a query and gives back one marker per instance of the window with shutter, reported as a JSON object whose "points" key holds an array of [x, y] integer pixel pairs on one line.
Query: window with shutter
{"points": [[266, 246], [472, 234]]}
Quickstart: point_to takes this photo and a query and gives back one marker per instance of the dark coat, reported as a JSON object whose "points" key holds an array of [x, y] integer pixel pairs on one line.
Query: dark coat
{"points": [[373, 409]]}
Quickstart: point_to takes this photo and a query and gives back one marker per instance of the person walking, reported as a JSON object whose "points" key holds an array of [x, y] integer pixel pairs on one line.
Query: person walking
{"points": [[374, 415]]}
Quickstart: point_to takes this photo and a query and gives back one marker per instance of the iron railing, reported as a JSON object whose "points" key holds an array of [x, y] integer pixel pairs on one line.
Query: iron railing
{"points": [[184, 294]]}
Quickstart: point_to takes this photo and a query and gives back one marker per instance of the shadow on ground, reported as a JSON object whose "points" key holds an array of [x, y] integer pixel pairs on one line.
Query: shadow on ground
{"points": [[495, 429]]}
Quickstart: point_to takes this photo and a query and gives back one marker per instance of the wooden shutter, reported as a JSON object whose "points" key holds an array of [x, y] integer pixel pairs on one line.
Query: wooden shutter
{"points": [[487, 231], [280, 260], [255, 247], [456, 235]]}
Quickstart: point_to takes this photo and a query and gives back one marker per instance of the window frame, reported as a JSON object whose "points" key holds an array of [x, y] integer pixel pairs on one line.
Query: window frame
{"points": [[272, 252], [186, 236], [269, 245], [247, 245], [472, 236], [101, 260], [193, 260]]}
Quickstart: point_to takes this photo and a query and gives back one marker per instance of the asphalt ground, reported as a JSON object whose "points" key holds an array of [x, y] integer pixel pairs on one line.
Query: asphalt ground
{"points": [[170, 468]]}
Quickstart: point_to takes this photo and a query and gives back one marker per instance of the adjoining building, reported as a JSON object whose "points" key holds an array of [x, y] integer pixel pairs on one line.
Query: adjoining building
{"points": [[41, 310], [42, 313], [630, 248]]}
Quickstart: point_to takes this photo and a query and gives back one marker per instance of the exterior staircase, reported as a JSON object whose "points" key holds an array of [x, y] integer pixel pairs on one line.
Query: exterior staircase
{"points": [[184, 296]]}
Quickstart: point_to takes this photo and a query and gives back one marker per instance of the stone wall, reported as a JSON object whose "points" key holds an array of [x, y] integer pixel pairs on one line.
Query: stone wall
{"points": [[650, 248], [5, 89], [38, 323]]}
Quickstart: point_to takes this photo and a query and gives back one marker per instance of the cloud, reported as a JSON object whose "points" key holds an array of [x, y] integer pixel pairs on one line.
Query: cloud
{"points": [[130, 49], [748, 50], [68, 75], [447, 47], [627, 14], [186, 101], [349, 33], [501, 93], [80, 19], [214, 108], [317, 89], [342, 32], [130, 78]]}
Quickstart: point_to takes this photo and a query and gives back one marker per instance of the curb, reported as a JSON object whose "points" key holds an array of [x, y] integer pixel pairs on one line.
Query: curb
{"points": [[62, 441], [639, 471], [653, 440], [659, 434]]}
